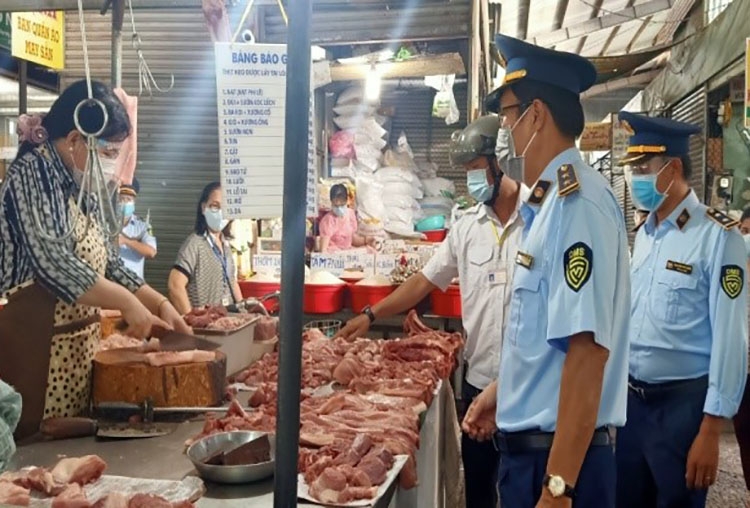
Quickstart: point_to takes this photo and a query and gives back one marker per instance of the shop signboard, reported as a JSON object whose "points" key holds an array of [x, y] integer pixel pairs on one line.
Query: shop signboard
{"points": [[5, 29], [267, 264], [355, 260], [251, 99], [39, 37], [596, 137], [747, 83]]}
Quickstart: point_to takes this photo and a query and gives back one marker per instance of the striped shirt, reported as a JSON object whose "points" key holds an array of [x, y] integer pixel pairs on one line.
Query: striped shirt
{"points": [[201, 265], [39, 180]]}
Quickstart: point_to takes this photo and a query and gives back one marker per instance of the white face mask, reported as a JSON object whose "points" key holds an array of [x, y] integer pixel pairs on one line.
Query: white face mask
{"points": [[109, 168], [512, 164]]}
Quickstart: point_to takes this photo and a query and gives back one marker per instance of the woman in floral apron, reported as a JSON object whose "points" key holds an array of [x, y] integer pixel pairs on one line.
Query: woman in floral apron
{"points": [[50, 327]]}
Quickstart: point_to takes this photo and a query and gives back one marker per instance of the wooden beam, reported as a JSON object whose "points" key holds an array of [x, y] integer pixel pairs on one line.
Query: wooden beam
{"points": [[601, 23], [72, 5], [617, 84], [450, 63]]}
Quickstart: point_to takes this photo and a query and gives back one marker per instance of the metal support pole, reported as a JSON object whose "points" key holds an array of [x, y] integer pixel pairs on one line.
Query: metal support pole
{"points": [[293, 254], [118, 13], [23, 90]]}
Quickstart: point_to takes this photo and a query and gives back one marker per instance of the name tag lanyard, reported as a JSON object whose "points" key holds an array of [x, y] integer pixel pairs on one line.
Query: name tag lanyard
{"points": [[224, 268], [500, 238]]}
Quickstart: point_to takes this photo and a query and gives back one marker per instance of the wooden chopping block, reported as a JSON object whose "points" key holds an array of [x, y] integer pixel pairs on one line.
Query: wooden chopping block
{"points": [[122, 376]]}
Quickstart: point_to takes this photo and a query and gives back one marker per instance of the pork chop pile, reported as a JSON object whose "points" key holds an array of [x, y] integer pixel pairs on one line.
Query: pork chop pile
{"points": [[65, 483], [386, 385], [217, 318]]}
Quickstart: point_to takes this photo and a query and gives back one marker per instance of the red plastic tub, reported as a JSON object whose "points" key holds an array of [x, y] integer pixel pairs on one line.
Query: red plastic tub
{"points": [[362, 296], [251, 289], [438, 235], [323, 298], [447, 304]]}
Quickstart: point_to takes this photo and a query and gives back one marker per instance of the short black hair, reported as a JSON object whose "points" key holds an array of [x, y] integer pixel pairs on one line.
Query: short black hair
{"points": [[201, 227], [339, 191], [745, 214], [687, 167], [565, 107]]}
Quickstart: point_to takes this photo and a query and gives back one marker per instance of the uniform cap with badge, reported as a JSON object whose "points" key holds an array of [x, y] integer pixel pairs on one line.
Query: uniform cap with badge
{"points": [[524, 61], [652, 136]]}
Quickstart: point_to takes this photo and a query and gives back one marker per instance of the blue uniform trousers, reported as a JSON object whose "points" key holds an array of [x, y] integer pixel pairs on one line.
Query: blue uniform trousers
{"points": [[521, 478], [652, 448]]}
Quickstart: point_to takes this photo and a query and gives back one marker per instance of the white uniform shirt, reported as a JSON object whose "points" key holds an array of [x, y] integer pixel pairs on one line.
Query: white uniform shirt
{"points": [[472, 252]]}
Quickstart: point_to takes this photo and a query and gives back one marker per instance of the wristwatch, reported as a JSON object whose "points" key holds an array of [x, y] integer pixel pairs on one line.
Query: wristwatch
{"points": [[557, 486], [367, 311]]}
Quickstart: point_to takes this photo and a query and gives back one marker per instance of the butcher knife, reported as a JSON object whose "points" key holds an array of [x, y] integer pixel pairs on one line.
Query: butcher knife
{"points": [[74, 427], [120, 411]]}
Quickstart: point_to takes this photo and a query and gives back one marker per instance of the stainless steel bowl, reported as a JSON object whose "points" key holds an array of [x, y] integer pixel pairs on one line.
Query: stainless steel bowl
{"points": [[225, 441]]}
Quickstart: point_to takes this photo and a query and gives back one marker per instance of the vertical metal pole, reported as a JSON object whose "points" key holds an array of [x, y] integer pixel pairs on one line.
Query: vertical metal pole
{"points": [[293, 254], [23, 98], [118, 13]]}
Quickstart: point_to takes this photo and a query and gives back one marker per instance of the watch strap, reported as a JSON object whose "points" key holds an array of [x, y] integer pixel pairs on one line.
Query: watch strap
{"points": [[367, 311], [570, 491]]}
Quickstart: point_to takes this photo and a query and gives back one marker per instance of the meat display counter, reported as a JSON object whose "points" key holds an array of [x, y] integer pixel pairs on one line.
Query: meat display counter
{"points": [[164, 458]]}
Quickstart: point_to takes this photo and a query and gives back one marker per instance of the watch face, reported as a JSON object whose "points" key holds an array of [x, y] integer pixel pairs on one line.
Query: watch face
{"points": [[556, 486]]}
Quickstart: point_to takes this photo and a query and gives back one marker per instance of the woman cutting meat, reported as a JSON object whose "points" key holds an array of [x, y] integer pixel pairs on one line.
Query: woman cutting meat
{"points": [[56, 282], [204, 273]]}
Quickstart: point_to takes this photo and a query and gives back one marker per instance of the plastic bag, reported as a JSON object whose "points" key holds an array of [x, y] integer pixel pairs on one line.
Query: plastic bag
{"points": [[401, 201], [444, 104], [438, 187], [341, 145], [351, 95], [403, 145], [369, 198], [395, 174], [403, 188], [354, 109]]}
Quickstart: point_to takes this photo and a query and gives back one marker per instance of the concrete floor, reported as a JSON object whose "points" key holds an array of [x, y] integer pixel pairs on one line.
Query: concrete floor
{"points": [[729, 491]]}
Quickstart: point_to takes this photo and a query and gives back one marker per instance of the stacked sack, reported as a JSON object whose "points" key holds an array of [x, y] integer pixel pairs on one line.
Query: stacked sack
{"points": [[439, 195], [358, 146]]}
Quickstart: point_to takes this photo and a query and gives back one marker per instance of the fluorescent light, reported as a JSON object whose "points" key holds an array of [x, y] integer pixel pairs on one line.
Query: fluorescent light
{"points": [[372, 84]]}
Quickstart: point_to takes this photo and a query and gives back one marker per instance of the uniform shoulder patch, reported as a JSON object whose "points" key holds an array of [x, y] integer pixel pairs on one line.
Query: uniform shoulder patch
{"points": [[722, 219], [732, 280], [578, 261], [539, 192], [567, 180]]}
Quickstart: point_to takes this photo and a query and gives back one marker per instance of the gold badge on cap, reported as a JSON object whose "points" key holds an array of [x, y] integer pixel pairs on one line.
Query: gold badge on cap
{"points": [[732, 280]]}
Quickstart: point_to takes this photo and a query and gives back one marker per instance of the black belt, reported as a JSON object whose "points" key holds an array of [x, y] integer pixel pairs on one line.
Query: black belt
{"points": [[650, 392], [521, 442]]}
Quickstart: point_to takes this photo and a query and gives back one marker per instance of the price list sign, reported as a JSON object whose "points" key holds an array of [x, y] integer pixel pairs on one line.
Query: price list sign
{"points": [[251, 99]]}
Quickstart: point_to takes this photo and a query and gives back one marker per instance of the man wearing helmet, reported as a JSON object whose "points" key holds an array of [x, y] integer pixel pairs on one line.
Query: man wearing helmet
{"points": [[479, 251]]}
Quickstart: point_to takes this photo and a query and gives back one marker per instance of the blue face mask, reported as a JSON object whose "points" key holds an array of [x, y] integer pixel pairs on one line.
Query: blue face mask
{"points": [[214, 219], [128, 209], [479, 188], [644, 190], [339, 211]]}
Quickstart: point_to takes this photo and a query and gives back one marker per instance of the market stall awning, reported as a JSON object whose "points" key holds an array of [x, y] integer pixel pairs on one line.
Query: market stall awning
{"points": [[418, 67]]}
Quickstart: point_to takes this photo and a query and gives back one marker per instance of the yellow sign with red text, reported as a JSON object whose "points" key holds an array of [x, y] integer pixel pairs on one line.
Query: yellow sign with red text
{"points": [[39, 37]]}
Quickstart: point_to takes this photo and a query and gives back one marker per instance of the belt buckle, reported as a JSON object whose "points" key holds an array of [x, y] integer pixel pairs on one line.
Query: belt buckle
{"points": [[640, 392]]}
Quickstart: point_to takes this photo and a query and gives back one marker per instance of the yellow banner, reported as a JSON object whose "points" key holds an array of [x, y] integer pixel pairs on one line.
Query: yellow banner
{"points": [[39, 37]]}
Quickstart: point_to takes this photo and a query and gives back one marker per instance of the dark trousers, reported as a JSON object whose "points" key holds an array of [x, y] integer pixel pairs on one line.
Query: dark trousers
{"points": [[742, 431], [480, 462], [653, 446], [521, 478]]}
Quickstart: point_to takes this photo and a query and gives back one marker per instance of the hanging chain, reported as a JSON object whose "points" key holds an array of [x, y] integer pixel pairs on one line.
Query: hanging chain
{"points": [[146, 79]]}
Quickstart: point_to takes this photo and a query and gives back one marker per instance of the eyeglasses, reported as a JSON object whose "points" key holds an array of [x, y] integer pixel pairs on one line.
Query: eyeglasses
{"points": [[647, 167], [108, 150], [503, 113]]}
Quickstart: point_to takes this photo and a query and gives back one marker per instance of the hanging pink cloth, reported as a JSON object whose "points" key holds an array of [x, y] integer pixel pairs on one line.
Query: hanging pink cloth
{"points": [[126, 161], [217, 19]]}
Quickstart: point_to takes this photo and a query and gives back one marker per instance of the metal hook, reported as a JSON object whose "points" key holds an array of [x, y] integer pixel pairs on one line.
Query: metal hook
{"points": [[145, 76]]}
